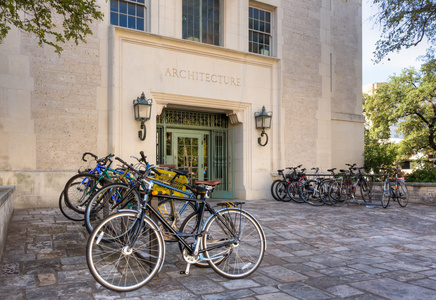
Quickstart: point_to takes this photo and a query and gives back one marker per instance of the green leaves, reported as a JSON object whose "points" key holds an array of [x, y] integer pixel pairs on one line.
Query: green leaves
{"points": [[53, 22], [404, 24], [409, 101]]}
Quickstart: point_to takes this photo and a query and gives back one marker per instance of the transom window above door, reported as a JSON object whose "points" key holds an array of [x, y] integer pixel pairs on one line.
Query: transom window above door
{"points": [[201, 21]]}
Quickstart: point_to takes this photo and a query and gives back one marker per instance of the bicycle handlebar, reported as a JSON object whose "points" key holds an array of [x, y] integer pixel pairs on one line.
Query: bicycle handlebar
{"points": [[130, 167], [102, 161]]}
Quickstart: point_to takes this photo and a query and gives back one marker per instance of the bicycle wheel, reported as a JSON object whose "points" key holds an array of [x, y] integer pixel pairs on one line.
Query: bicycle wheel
{"points": [[78, 190], [324, 191], [123, 257], [67, 211], [308, 189], [337, 193], [108, 200], [294, 191], [403, 194], [273, 189], [282, 191], [242, 243], [386, 193], [365, 191]]}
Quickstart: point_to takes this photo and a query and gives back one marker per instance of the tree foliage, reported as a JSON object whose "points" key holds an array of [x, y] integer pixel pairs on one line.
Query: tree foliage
{"points": [[39, 17], [378, 152], [404, 23], [408, 100]]}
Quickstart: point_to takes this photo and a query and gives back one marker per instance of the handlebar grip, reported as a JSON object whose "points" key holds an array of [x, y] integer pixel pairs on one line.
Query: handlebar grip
{"points": [[143, 157], [156, 171], [88, 153]]}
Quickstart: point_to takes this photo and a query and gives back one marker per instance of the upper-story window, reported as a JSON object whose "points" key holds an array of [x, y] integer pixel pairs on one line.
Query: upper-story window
{"points": [[259, 23], [201, 21], [128, 13]]}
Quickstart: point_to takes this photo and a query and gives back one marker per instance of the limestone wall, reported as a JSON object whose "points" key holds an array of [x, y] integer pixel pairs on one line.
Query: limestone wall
{"points": [[424, 193], [53, 108]]}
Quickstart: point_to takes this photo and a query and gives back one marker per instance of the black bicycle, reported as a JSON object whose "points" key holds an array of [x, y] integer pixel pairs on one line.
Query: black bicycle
{"points": [[127, 248]]}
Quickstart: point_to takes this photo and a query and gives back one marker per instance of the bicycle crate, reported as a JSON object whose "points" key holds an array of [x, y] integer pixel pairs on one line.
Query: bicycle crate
{"points": [[292, 176], [167, 177]]}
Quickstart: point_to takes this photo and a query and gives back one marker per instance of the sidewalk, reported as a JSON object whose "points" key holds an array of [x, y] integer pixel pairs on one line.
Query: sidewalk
{"points": [[349, 252]]}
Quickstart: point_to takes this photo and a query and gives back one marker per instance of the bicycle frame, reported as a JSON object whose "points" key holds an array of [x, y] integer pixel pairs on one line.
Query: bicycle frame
{"points": [[148, 207]]}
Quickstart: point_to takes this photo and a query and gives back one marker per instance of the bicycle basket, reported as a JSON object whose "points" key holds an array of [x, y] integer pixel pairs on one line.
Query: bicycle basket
{"points": [[167, 178], [292, 176]]}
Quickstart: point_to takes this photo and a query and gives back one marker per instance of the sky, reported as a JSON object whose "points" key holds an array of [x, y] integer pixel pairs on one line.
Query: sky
{"points": [[373, 73]]}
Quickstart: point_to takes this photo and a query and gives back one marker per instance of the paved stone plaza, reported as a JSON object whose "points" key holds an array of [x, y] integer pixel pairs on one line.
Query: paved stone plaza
{"points": [[349, 252]]}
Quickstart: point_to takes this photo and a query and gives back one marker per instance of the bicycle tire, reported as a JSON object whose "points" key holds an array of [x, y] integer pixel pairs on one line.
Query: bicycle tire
{"points": [[78, 189], [282, 191], [386, 193], [317, 197], [108, 200], [309, 193], [365, 191], [403, 194], [67, 211], [245, 253], [336, 194], [324, 191], [307, 190], [273, 189], [294, 191], [116, 265]]}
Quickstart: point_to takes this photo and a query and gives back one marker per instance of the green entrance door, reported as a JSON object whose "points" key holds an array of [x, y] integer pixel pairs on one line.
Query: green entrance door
{"points": [[190, 153], [199, 143]]}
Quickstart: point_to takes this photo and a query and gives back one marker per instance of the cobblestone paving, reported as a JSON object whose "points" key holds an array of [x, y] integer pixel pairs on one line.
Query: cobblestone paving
{"points": [[349, 252]]}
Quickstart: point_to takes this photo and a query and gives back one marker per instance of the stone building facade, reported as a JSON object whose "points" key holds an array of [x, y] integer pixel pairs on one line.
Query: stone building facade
{"points": [[208, 71]]}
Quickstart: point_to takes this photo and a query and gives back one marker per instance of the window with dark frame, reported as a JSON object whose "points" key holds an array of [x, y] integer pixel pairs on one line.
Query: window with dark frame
{"points": [[201, 21], [128, 13], [259, 23]]}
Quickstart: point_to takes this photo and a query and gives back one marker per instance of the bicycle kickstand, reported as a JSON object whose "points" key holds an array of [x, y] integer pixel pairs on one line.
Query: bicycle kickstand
{"points": [[186, 272]]}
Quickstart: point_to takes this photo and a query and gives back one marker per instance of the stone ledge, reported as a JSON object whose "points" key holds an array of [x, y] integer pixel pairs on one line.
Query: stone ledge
{"points": [[6, 210], [5, 193]]}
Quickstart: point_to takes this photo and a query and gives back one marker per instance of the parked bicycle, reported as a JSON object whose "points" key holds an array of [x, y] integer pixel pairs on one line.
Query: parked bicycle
{"points": [[397, 191], [78, 189], [116, 196], [127, 249]]}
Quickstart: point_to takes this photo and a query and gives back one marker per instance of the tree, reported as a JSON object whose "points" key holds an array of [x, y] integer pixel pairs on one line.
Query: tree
{"points": [[404, 23], [378, 150], [39, 17], [408, 100]]}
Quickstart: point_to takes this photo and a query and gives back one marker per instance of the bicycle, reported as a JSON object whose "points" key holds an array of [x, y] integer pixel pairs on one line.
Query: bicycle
{"points": [[276, 191], [343, 189], [296, 187], [282, 187], [117, 196], [78, 188], [398, 191], [365, 186], [315, 190], [127, 249]]}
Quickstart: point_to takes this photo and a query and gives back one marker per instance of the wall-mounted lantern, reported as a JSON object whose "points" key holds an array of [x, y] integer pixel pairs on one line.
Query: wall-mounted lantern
{"points": [[263, 121], [142, 108]]}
